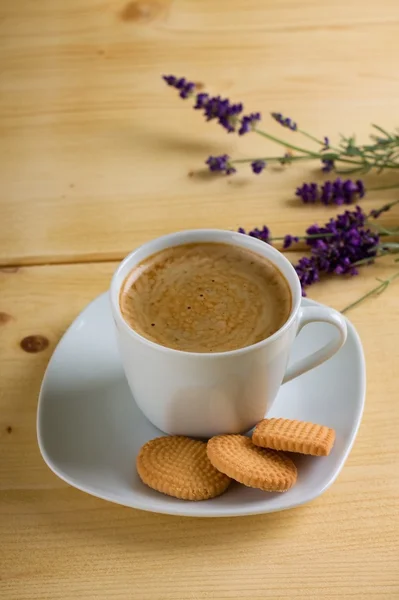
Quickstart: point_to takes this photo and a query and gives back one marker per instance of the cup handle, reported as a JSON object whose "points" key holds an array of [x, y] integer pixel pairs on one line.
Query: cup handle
{"points": [[318, 314]]}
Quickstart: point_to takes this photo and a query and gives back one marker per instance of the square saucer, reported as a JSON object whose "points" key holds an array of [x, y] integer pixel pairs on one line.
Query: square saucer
{"points": [[90, 429]]}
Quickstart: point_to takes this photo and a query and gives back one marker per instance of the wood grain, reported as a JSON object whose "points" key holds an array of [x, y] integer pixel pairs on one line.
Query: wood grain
{"points": [[59, 543], [97, 155]]}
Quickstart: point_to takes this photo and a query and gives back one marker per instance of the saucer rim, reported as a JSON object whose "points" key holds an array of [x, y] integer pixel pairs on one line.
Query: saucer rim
{"points": [[194, 509]]}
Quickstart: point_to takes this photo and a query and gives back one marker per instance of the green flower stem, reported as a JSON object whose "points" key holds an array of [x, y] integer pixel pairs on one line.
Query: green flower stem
{"points": [[291, 159], [385, 187], [365, 261], [286, 144], [332, 156], [375, 291], [384, 231], [384, 249], [371, 259], [310, 137], [270, 159]]}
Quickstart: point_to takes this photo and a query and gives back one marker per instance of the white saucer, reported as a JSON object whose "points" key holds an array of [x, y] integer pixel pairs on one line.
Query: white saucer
{"points": [[90, 429]]}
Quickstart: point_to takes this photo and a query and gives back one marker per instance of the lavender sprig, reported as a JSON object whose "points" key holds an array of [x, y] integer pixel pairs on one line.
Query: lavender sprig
{"points": [[260, 234], [227, 114], [381, 154], [185, 87], [220, 164], [284, 121], [339, 192], [332, 192], [340, 246], [350, 241], [258, 166]]}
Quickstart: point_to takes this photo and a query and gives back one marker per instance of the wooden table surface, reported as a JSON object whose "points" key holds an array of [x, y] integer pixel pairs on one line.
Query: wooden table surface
{"points": [[97, 156]]}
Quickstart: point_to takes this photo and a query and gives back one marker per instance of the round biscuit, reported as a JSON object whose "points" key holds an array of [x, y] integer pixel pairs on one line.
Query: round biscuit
{"points": [[179, 466], [240, 459]]}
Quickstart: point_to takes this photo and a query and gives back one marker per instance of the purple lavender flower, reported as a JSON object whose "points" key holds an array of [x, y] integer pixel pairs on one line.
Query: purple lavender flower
{"points": [[334, 248], [342, 242], [249, 122], [200, 101], [284, 121], [328, 165], [308, 193], [332, 192], [187, 90], [260, 234], [308, 272], [326, 192], [221, 109], [220, 164], [185, 87], [289, 240], [227, 114], [326, 143], [258, 166], [230, 170], [337, 247], [361, 190], [170, 80], [340, 191]]}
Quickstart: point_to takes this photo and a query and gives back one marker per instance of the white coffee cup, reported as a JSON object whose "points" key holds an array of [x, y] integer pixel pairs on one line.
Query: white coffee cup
{"points": [[204, 394]]}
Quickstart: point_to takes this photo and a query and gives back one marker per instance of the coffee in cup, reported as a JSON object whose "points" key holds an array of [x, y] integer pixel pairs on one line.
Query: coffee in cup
{"points": [[205, 297]]}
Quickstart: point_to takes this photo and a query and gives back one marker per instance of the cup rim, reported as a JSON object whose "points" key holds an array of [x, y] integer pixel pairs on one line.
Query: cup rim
{"points": [[182, 237]]}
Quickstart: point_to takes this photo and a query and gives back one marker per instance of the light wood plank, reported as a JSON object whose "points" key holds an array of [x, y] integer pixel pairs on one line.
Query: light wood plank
{"points": [[96, 153], [59, 543]]}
